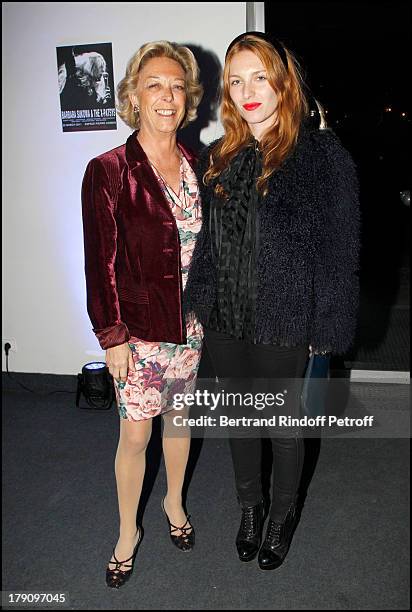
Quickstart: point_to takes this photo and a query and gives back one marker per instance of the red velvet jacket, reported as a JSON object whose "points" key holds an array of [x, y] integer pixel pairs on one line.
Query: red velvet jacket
{"points": [[132, 250]]}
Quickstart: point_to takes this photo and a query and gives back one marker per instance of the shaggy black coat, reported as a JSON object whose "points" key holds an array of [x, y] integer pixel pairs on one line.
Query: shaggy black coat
{"points": [[307, 262]]}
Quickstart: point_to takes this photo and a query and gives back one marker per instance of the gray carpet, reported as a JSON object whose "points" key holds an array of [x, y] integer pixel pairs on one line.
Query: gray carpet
{"points": [[350, 550]]}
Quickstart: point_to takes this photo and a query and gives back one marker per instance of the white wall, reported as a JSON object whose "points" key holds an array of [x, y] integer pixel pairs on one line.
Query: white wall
{"points": [[44, 303]]}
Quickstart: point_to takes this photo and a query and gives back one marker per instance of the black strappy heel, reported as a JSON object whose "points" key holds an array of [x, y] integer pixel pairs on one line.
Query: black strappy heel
{"points": [[115, 578], [185, 541]]}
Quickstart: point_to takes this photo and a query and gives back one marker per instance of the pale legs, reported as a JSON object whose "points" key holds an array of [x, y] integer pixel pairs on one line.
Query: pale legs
{"points": [[130, 465], [176, 447]]}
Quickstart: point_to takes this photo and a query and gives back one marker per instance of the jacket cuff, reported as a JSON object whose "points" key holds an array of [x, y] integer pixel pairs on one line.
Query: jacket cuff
{"points": [[112, 336]]}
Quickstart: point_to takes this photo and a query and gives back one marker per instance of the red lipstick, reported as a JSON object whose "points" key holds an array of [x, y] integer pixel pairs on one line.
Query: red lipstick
{"points": [[251, 106]]}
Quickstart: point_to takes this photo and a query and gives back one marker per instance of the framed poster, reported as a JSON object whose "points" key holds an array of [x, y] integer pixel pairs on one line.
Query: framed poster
{"points": [[86, 87]]}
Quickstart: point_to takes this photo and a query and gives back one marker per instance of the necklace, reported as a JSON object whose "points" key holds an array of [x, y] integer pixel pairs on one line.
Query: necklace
{"points": [[182, 183]]}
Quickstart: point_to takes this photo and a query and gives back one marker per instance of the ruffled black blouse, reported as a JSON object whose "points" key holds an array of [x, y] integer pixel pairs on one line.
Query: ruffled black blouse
{"points": [[234, 234]]}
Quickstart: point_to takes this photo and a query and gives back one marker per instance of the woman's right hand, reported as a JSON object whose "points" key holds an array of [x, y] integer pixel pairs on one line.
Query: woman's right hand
{"points": [[119, 360]]}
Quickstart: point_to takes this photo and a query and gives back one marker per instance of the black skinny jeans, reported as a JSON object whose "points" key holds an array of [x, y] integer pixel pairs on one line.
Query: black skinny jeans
{"points": [[233, 358]]}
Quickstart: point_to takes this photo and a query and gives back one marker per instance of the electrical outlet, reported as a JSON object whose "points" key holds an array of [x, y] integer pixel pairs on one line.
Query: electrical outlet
{"points": [[12, 342]]}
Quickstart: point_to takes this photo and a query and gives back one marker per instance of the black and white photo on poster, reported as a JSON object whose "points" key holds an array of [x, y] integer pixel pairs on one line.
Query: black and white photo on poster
{"points": [[86, 87]]}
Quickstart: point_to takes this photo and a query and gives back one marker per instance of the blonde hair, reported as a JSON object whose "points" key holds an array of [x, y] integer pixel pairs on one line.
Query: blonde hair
{"points": [[161, 48], [278, 140], [92, 64]]}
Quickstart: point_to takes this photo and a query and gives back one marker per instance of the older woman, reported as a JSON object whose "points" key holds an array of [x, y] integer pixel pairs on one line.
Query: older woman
{"points": [[141, 217]]}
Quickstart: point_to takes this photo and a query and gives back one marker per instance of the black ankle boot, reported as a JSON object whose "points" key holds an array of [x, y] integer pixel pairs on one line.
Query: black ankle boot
{"points": [[277, 541], [249, 536]]}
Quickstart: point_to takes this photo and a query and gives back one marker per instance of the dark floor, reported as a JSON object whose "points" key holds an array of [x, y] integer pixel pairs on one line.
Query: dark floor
{"points": [[350, 550]]}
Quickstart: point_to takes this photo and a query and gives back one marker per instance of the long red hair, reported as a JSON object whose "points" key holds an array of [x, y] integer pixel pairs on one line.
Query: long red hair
{"points": [[279, 140]]}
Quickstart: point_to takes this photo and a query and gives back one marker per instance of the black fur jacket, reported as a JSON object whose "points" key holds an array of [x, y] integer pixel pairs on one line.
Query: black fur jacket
{"points": [[307, 263]]}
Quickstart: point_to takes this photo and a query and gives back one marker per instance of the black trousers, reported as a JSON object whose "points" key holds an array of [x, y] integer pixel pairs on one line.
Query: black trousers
{"points": [[233, 359]]}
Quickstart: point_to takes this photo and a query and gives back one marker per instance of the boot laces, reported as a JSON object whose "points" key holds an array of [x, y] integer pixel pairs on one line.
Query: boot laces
{"points": [[274, 533], [249, 521]]}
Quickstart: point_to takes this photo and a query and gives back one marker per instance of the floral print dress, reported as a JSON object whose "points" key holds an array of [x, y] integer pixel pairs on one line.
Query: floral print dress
{"points": [[163, 368]]}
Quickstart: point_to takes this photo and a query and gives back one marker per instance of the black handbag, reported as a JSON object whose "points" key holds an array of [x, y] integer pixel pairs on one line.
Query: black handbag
{"points": [[314, 390]]}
